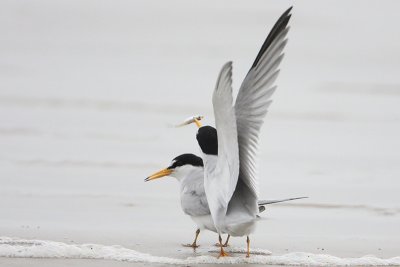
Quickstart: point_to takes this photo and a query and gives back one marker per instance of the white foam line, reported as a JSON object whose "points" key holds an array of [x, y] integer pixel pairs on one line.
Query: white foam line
{"points": [[22, 248], [229, 249]]}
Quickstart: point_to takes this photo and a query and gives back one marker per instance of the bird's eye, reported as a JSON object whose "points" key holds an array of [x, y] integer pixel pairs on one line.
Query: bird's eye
{"points": [[173, 165]]}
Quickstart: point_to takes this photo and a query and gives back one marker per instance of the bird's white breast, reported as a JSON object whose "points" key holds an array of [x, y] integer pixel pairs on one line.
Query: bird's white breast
{"points": [[193, 197]]}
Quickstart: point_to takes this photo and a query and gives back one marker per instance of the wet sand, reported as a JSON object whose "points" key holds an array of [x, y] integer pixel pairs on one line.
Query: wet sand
{"points": [[88, 93]]}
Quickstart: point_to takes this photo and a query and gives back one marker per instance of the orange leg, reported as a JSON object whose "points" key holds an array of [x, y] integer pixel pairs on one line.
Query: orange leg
{"points": [[222, 253], [225, 244], [227, 240], [194, 244], [248, 247]]}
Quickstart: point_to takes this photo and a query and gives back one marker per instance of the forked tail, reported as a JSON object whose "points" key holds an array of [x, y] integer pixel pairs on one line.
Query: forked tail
{"points": [[263, 203]]}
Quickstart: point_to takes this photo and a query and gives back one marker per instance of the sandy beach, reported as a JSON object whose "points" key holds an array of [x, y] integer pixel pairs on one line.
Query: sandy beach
{"points": [[88, 94]]}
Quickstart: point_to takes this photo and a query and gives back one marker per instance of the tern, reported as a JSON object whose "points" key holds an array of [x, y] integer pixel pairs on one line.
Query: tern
{"points": [[188, 169], [229, 151]]}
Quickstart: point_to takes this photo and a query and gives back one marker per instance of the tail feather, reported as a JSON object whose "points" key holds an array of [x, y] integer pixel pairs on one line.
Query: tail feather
{"points": [[262, 203]]}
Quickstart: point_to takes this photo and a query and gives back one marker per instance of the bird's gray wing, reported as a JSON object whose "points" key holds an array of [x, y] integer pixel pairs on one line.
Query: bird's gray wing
{"points": [[194, 200], [254, 98], [220, 182]]}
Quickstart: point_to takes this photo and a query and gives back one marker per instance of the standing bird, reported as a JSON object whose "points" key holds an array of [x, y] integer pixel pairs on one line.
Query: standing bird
{"points": [[229, 151], [188, 170]]}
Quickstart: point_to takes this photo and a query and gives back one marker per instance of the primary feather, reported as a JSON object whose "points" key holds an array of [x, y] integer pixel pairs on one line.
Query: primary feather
{"points": [[254, 98], [230, 178]]}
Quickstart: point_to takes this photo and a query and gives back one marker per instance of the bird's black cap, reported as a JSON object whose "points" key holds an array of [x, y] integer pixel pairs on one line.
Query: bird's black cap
{"points": [[208, 140], [186, 159]]}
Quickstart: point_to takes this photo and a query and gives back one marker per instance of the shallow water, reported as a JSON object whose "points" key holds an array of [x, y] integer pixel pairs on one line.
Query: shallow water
{"points": [[88, 94]]}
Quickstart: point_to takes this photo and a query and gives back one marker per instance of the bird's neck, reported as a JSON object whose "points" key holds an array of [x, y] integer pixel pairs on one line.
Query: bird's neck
{"points": [[210, 162], [188, 173]]}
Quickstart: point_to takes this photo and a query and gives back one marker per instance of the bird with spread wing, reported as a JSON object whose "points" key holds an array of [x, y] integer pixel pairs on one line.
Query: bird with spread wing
{"points": [[188, 169], [229, 151]]}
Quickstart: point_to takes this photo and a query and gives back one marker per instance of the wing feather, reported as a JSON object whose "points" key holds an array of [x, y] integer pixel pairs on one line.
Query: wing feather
{"points": [[225, 122], [254, 96], [220, 182]]}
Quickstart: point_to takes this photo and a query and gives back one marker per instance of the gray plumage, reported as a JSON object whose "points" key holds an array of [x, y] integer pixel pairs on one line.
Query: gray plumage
{"points": [[231, 178]]}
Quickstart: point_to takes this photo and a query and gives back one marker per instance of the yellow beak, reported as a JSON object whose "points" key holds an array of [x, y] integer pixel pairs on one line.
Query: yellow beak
{"points": [[197, 122], [159, 174]]}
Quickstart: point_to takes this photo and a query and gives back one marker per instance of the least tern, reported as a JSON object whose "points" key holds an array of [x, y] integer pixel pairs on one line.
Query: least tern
{"points": [[188, 170], [229, 151]]}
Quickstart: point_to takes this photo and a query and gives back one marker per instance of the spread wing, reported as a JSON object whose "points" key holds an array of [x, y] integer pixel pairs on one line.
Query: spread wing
{"points": [[254, 98], [221, 181]]}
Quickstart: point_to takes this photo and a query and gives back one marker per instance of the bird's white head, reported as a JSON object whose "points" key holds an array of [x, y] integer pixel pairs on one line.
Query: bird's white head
{"points": [[180, 167]]}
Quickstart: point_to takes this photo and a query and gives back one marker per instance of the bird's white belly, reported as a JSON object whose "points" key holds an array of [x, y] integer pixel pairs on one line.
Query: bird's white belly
{"points": [[241, 217], [240, 229], [204, 222]]}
